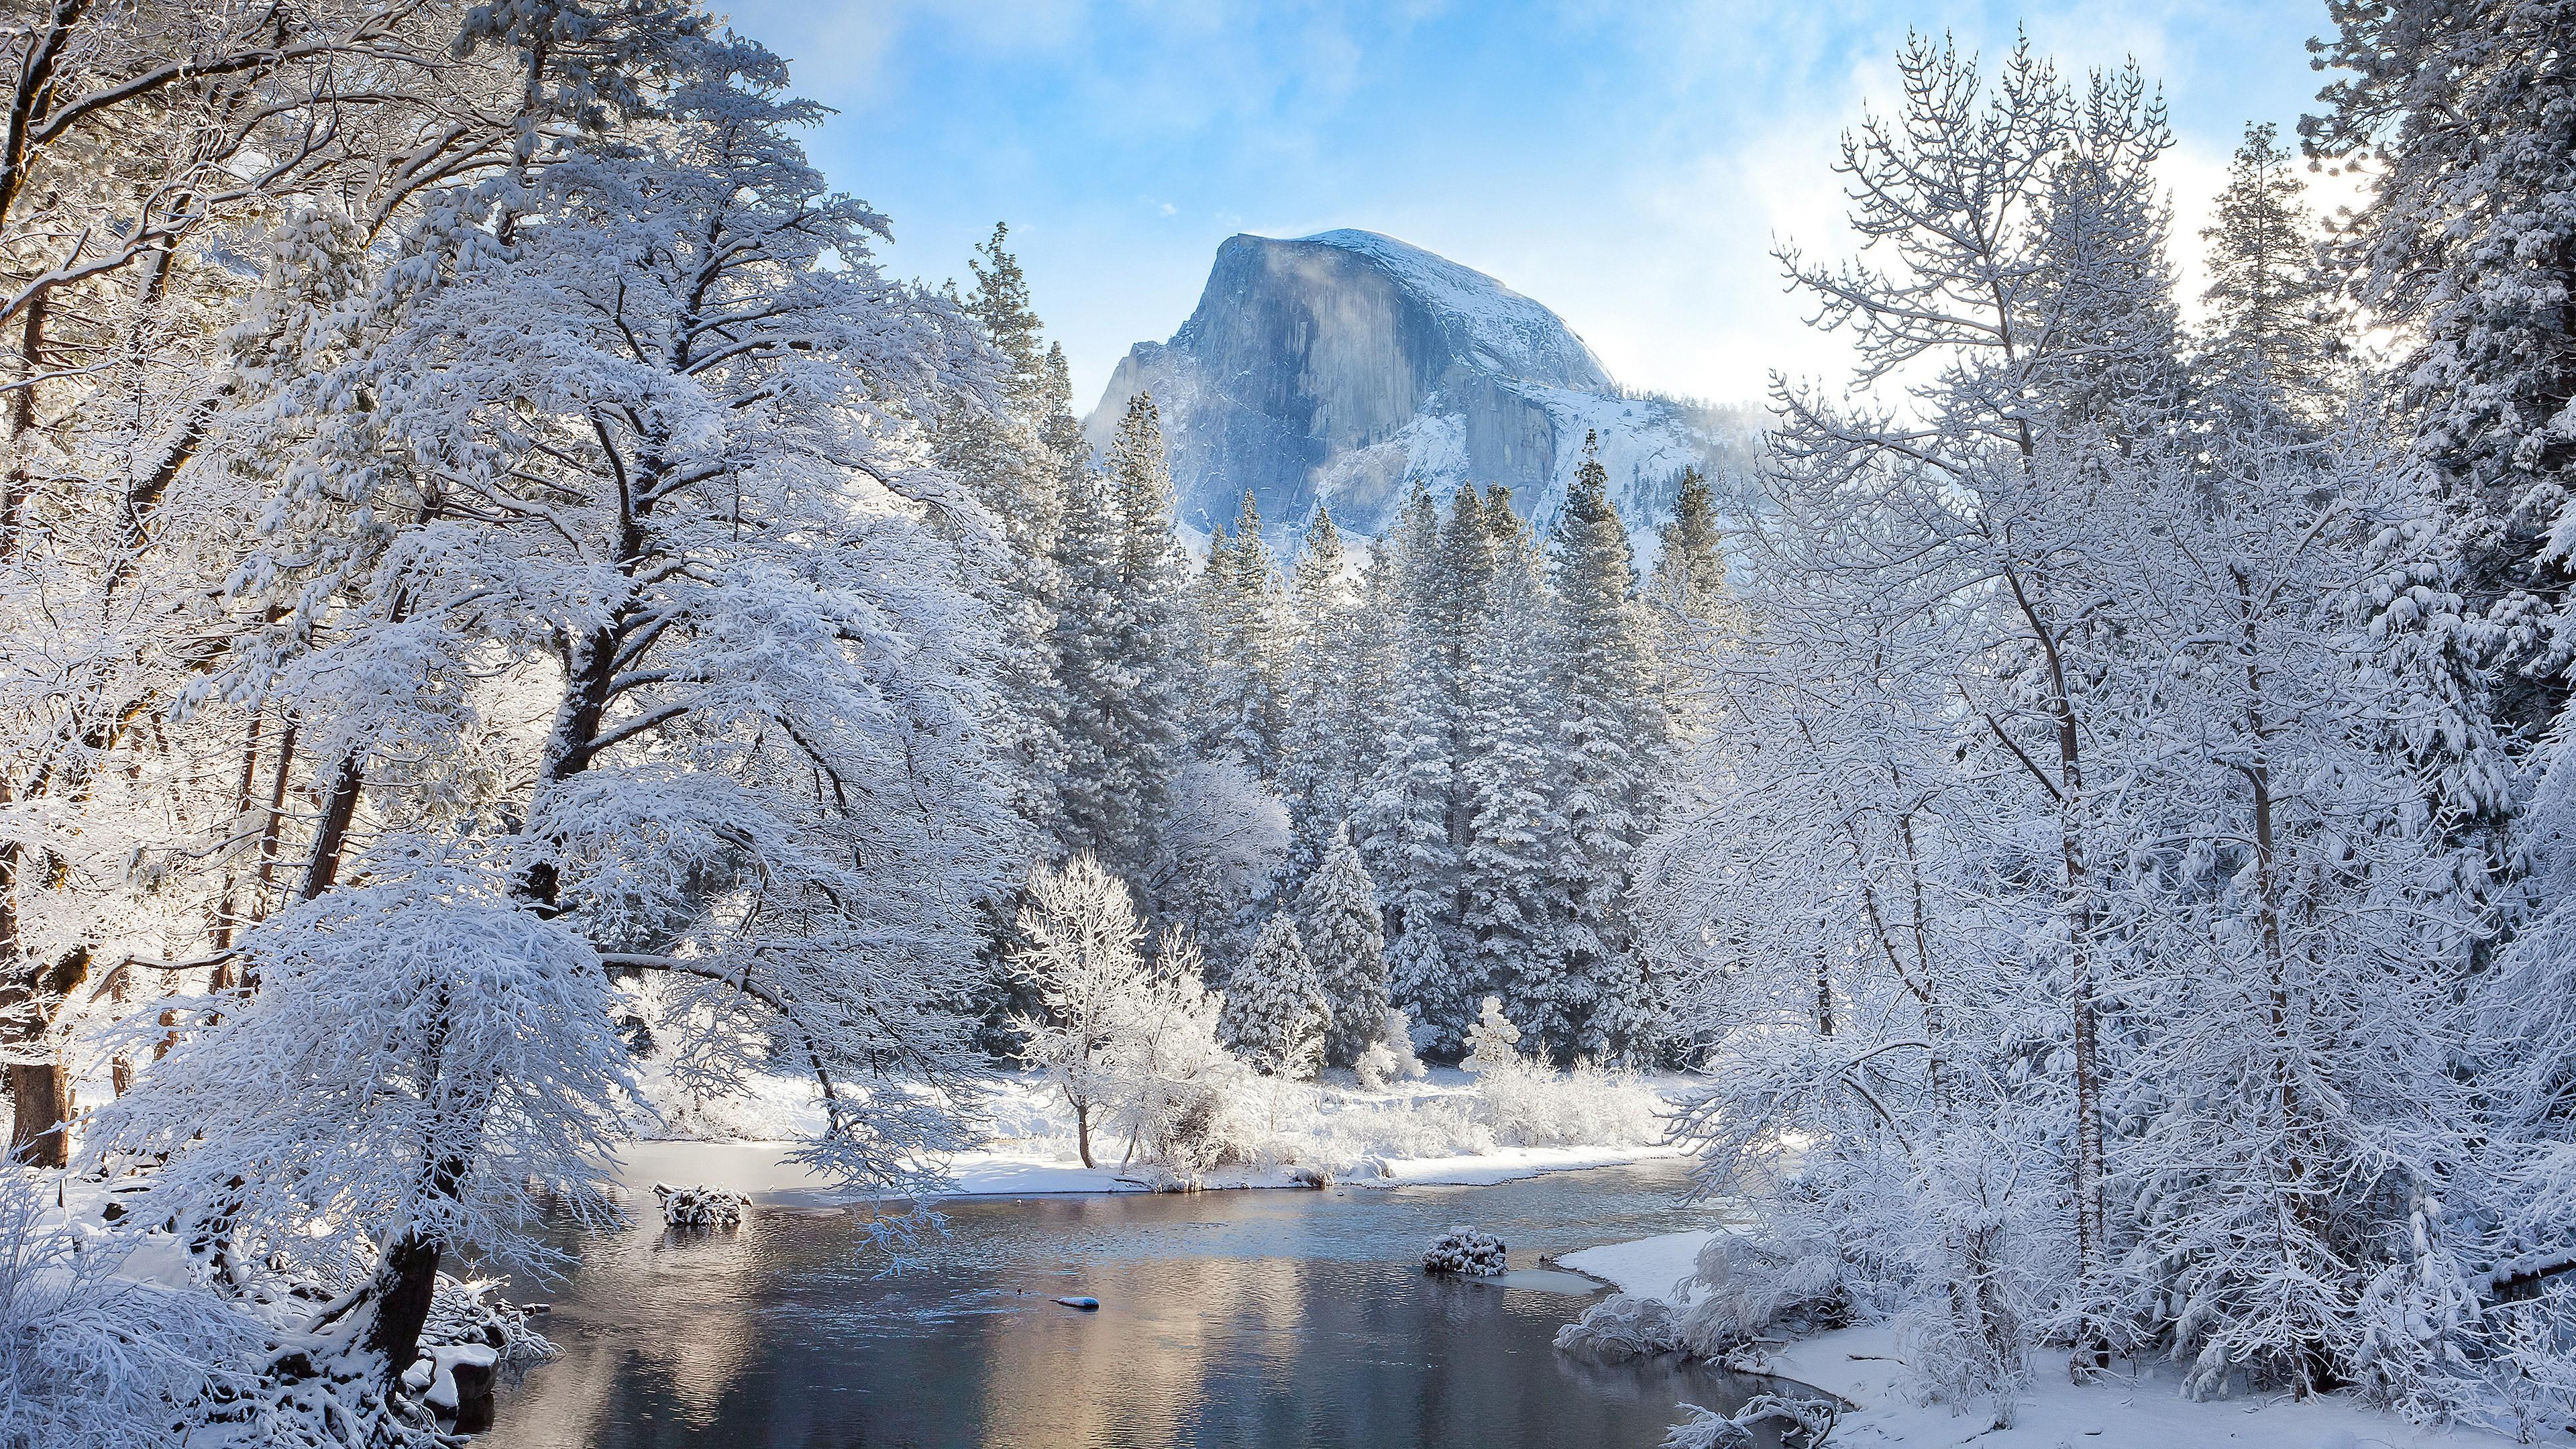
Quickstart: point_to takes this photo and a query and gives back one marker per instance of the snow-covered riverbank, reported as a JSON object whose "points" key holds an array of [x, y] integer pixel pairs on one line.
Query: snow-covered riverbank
{"points": [[1448, 1129], [2135, 1406]]}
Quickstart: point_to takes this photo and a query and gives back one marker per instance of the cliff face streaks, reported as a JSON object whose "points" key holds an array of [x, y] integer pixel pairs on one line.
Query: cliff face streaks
{"points": [[1345, 367]]}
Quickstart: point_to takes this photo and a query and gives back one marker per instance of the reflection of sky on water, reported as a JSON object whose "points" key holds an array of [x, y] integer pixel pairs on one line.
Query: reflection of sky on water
{"points": [[1244, 1318]]}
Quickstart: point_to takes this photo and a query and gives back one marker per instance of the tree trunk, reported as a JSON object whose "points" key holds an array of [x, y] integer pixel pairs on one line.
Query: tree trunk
{"points": [[40, 1136], [1082, 1131]]}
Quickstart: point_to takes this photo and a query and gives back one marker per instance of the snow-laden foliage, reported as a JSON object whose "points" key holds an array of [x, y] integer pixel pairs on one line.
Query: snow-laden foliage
{"points": [[94, 1360], [2084, 878], [1811, 1419], [486, 1085], [1390, 1058], [1276, 1012], [1339, 925], [1128, 1042]]}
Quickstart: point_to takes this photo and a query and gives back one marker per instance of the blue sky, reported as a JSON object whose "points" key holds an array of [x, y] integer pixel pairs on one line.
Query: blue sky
{"points": [[1626, 164]]}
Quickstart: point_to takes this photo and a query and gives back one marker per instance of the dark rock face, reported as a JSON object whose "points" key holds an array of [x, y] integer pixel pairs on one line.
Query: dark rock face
{"points": [[1345, 367]]}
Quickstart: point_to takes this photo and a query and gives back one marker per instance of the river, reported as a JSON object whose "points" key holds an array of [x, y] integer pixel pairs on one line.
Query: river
{"points": [[1261, 1318]]}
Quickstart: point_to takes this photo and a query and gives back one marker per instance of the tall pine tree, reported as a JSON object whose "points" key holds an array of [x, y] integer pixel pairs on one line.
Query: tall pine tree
{"points": [[1120, 640], [1405, 825], [1608, 740]]}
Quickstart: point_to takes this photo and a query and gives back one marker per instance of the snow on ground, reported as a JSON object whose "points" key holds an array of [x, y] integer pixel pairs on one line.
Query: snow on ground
{"points": [[1446, 1130], [1646, 1268], [2134, 1407]]}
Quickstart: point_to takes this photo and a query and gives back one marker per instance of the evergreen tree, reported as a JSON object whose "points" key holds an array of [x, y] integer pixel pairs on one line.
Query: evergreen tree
{"points": [[1370, 674], [1690, 558], [1608, 733], [1338, 908], [1239, 711], [2463, 113], [1017, 455], [1404, 827], [1119, 640], [1690, 610], [1318, 773], [1013, 456], [1505, 767], [1276, 1012], [2271, 334]]}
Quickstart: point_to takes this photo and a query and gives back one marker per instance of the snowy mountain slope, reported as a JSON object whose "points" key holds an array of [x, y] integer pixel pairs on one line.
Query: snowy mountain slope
{"points": [[1347, 366]]}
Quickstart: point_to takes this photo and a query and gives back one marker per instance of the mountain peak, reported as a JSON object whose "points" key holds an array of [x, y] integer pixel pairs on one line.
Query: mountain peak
{"points": [[1346, 367]]}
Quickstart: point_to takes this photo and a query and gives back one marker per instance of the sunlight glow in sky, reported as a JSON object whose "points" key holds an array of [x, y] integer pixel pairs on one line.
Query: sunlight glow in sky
{"points": [[1626, 164]]}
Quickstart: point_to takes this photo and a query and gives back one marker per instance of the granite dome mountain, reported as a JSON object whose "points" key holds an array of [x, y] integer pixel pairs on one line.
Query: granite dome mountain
{"points": [[1344, 367]]}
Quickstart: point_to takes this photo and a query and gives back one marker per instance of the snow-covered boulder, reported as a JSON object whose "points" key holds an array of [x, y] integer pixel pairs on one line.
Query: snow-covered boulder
{"points": [[699, 1206], [1465, 1251]]}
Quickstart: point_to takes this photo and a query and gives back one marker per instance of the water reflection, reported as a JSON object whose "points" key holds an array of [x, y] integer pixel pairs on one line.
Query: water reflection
{"points": [[1268, 1319]]}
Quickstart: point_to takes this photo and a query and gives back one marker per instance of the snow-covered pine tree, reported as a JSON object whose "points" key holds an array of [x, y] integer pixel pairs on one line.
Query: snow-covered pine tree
{"points": [[2272, 335], [1317, 773], [2463, 115], [1106, 805], [1122, 643], [1372, 677], [1238, 704], [1690, 610], [1403, 826], [1276, 1013], [1511, 701], [1609, 736], [1340, 927], [1015, 458]]}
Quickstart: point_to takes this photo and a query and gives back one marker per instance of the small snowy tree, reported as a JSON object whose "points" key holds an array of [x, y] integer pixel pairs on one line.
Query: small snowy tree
{"points": [[1172, 1078], [1221, 849], [1493, 1043], [1338, 917], [1389, 1058], [1082, 954], [1275, 1010]]}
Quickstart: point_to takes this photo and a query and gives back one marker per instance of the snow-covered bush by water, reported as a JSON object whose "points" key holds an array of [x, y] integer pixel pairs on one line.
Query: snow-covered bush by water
{"points": [[1622, 1326], [699, 1206], [89, 1360], [1464, 1250], [1812, 1419]]}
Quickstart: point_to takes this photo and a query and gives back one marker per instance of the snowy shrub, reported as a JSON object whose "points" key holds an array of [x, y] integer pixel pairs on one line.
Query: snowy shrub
{"points": [[699, 1206], [1527, 1104], [1465, 1251], [1390, 1058], [1622, 1327], [89, 1360], [1173, 1087], [1811, 1419], [1493, 1043]]}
